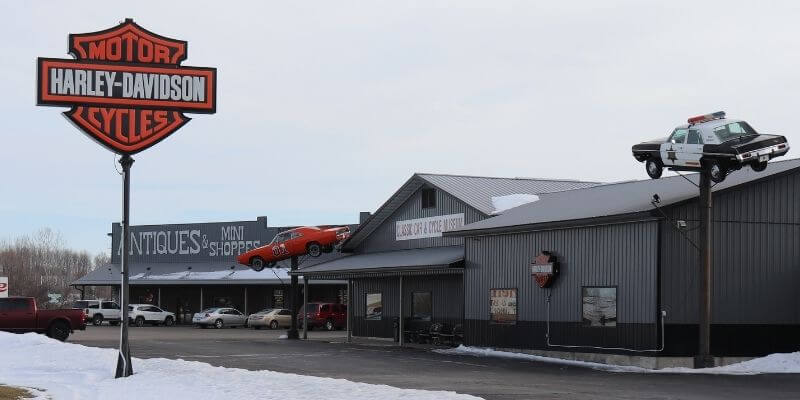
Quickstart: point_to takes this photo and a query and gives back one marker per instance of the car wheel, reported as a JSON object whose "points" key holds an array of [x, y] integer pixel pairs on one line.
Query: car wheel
{"points": [[314, 249], [273, 325], [97, 319], [139, 322], [329, 326], [257, 264], [169, 321], [654, 168], [759, 166], [218, 324], [58, 330], [717, 171]]}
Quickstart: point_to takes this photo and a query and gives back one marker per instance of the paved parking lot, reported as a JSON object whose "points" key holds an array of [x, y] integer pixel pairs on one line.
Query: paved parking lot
{"points": [[326, 354]]}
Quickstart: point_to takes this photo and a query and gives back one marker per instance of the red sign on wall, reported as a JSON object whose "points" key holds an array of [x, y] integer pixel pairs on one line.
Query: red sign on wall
{"points": [[126, 86]]}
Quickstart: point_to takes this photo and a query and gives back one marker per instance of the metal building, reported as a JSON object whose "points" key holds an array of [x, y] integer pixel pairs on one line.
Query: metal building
{"points": [[398, 256], [622, 259], [184, 268]]}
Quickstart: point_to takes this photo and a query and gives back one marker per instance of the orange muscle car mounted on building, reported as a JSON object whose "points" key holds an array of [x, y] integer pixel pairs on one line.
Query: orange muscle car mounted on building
{"points": [[309, 240]]}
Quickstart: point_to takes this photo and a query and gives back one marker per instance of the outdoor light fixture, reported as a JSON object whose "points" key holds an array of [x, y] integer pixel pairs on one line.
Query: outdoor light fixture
{"points": [[680, 224], [656, 199]]}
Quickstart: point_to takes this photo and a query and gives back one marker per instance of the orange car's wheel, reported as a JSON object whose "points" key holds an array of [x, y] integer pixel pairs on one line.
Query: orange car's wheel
{"points": [[314, 249], [257, 264]]}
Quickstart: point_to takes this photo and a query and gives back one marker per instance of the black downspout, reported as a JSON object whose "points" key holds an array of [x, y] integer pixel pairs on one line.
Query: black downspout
{"points": [[659, 321]]}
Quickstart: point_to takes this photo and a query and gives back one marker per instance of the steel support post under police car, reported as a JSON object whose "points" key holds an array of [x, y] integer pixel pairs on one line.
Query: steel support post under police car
{"points": [[124, 367], [293, 333], [704, 359]]}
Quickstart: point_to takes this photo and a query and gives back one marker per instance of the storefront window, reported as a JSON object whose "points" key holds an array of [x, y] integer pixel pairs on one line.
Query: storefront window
{"points": [[374, 309], [600, 306], [503, 306], [421, 306], [277, 298]]}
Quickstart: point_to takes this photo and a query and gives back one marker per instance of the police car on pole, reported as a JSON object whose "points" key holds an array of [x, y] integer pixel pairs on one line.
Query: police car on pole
{"points": [[712, 141]]}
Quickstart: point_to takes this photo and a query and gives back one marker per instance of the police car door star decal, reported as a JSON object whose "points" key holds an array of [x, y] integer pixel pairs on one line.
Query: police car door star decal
{"points": [[126, 86]]}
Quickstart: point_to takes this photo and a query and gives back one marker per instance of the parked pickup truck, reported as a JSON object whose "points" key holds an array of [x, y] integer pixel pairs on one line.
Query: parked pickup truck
{"points": [[20, 314]]}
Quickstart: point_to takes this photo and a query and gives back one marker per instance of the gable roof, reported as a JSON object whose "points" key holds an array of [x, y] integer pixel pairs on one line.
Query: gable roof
{"points": [[615, 199], [474, 191]]}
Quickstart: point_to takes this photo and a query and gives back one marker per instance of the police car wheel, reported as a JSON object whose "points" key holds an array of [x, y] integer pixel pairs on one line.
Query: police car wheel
{"points": [[759, 166], [717, 171], [654, 168]]}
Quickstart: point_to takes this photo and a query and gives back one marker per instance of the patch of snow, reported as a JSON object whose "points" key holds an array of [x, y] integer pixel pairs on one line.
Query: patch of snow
{"points": [[72, 371], [778, 363], [503, 203], [283, 336]]}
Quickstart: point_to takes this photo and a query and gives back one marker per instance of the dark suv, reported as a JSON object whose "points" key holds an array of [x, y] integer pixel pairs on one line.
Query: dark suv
{"points": [[324, 315]]}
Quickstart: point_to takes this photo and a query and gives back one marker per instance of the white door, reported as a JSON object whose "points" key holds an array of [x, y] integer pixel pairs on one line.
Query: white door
{"points": [[692, 150], [673, 147]]}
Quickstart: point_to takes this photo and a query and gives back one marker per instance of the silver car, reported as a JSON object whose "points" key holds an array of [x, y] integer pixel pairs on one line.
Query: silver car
{"points": [[219, 317], [273, 318]]}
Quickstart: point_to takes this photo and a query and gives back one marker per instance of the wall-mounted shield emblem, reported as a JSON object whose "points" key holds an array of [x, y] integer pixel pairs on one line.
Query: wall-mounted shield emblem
{"points": [[544, 269]]}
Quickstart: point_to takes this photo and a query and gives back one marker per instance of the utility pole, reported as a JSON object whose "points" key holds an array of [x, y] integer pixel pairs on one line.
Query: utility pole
{"points": [[704, 359], [124, 367]]}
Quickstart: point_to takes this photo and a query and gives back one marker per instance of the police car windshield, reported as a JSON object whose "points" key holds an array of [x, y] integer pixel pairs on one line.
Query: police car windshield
{"points": [[734, 130]]}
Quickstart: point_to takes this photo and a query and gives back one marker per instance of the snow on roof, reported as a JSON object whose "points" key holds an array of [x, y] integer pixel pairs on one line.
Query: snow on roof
{"points": [[503, 203]]}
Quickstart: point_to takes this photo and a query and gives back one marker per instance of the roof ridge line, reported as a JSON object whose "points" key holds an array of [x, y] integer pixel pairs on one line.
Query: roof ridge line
{"points": [[521, 178]]}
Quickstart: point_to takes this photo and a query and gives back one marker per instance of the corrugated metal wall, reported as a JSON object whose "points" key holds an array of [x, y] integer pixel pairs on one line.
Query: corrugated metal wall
{"points": [[446, 294], [756, 260], [383, 238], [621, 255]]}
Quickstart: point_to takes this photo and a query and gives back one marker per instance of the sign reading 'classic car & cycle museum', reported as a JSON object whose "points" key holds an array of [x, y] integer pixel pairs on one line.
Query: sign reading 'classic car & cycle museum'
{"points": [[126, 86]]}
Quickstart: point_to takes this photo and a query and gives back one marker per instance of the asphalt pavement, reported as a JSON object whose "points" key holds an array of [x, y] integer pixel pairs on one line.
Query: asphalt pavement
{"points": [[327, 354]]}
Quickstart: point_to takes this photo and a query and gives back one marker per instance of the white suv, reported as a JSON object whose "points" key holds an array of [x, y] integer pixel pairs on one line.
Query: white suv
{"points": [[139, 314], [99, 310]]}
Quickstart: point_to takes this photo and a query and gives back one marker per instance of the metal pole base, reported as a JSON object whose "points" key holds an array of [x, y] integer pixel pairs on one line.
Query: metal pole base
{"points": [[124, 365], [703, 361]]}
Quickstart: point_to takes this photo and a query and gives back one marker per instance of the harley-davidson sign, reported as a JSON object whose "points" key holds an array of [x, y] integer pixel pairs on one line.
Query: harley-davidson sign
{"points": [[126, 86], [544, 269]]}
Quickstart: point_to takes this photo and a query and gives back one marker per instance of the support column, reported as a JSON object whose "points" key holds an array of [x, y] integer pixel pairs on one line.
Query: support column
{"points": [[305, 307], [293, 334], [159, 297], [704, 359], [400, 322], [124, 367], [201, 299], [245, 300], [349, 311]]}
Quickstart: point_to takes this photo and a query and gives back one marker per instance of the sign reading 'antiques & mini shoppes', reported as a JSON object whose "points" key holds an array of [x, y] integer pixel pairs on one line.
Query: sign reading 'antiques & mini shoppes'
{"points": [[126, 86]]}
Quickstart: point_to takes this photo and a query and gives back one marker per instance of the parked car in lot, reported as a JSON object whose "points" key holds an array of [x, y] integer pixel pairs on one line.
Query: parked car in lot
{"points": [[219, 317], [140, 314], [311, 240], [273, 318], [723, 145], [20, 314], [98, 311], [330, 316]]}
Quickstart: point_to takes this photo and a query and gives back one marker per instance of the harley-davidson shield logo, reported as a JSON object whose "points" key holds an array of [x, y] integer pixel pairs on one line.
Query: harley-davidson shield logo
{"points": [[126, 86], [544, 269]]}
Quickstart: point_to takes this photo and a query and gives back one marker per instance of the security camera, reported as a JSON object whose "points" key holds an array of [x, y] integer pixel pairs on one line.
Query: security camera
{"points": [[681, 224]]}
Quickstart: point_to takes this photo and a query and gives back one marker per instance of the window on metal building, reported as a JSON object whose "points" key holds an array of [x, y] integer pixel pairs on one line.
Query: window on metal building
{"points": [[429, 198], [599, 306], [421, 306]]}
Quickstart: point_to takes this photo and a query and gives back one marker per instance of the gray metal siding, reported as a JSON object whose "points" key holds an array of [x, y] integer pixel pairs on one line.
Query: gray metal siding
{"points": [[756, 259], [383, 237], [622, 255], [446, 294]]}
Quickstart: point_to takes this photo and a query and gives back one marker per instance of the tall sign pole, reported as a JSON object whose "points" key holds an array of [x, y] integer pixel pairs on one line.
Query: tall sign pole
{"points": [[294, 287], [124, 365], [127, 91], [704, 359]]}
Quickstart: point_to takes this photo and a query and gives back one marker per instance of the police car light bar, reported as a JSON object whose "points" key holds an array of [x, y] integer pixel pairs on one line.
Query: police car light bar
{"points": [[707, 117]]}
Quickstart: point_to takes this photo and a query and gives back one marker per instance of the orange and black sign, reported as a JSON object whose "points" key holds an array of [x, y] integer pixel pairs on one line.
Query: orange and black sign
{"points": [[126, 86]]}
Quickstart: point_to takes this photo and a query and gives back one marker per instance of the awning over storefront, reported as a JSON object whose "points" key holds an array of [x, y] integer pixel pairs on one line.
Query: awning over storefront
{"points": [[187, 274], [427, 261]]}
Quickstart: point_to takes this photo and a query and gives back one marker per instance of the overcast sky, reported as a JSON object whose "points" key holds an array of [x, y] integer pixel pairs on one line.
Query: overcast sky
{"points": [[326, 108]]}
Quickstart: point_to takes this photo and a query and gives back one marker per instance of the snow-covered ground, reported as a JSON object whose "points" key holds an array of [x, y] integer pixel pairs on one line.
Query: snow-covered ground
{"points": [[71, 371], [779, 363]]}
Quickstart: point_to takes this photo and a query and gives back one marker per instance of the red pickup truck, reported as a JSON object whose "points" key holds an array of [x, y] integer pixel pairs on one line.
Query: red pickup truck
{"points": [[20, 314]]}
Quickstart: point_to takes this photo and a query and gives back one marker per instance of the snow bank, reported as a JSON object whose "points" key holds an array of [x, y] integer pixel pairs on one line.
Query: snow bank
{"points": [[71, 371], [779, 363], [503, 203]]}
